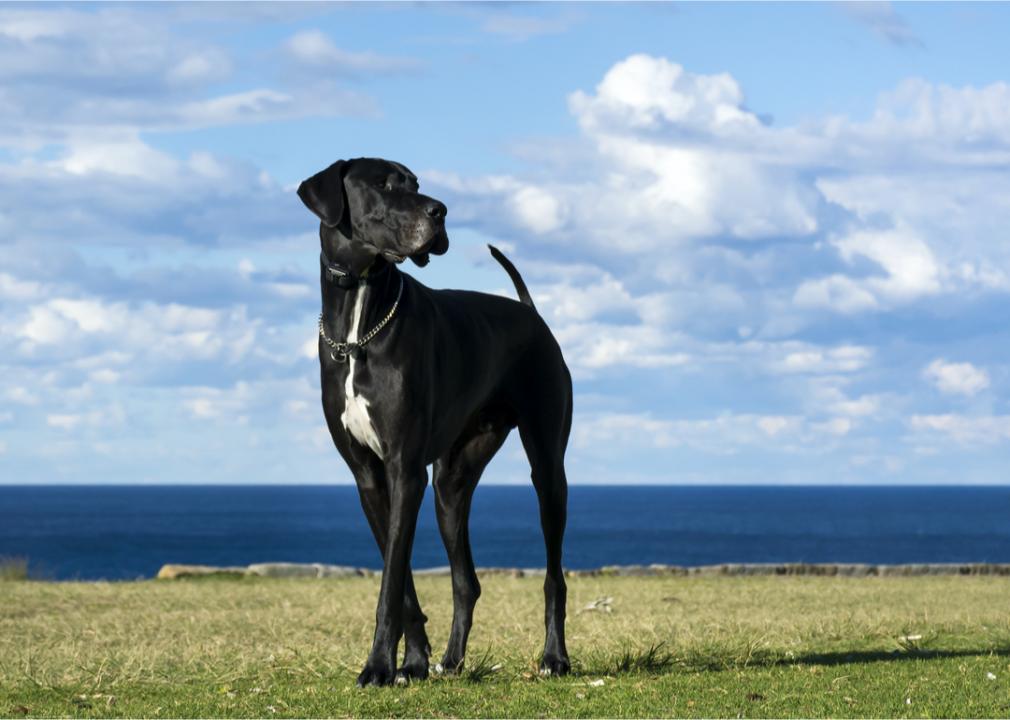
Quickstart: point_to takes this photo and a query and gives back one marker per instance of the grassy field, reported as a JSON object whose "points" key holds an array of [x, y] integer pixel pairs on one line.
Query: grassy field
{"points": [[687, 646]]}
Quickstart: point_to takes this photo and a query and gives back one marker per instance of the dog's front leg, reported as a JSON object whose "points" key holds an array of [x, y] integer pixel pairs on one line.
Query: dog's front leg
{"points": [[406, 486], [375, 502]]}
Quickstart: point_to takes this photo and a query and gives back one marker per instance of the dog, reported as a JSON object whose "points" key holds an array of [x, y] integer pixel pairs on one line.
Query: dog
{"points": [[413, 377]]}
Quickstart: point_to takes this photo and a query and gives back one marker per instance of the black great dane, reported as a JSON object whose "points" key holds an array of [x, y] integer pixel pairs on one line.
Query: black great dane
{"points": [[413, 376]]}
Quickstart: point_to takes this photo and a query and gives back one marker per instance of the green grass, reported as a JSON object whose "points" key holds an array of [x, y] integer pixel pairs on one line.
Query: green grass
{"points": [[671, 646]]}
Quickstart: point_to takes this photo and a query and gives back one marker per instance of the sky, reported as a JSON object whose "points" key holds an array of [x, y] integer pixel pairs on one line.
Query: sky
{"points": [[771, 239]]}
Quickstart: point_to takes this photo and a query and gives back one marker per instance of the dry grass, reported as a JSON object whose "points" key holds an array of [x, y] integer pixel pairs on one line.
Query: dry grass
{"points": [[219, 647], [13, 569]]}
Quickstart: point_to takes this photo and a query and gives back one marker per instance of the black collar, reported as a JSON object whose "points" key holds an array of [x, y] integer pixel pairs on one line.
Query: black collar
{"points": [[342, 277]]}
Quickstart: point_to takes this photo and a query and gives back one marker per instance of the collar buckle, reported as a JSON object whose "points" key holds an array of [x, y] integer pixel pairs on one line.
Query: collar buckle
{"points": [[343, 278]]}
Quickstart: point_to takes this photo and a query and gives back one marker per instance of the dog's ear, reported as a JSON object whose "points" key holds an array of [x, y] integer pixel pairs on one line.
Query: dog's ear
{"points": [[323, 193]]}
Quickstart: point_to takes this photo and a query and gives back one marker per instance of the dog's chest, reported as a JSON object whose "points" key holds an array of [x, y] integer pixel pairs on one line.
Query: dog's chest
{"points": [[355, 417]]}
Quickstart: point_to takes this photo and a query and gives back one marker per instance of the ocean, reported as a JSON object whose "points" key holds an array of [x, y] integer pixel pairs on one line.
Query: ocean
{"points": [[120, 532]]}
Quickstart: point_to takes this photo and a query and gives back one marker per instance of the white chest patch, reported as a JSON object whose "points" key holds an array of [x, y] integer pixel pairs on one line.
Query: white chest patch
{"points": [[355, 416]]}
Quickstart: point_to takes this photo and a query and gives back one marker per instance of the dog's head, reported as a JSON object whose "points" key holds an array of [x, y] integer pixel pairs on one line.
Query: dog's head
{"points": [[375, 203]]}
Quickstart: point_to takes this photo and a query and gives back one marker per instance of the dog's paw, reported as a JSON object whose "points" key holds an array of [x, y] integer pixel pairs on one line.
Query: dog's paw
{"points": [[412, 670], [553, 665], [377, 673], [449, 666]]}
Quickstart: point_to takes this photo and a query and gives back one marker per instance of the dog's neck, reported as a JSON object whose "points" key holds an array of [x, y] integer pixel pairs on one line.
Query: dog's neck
{"points": [[342, 251], [369, 294]]}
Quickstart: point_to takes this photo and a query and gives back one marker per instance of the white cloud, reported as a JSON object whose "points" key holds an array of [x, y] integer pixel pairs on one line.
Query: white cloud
{"points": [[772, 425], [966, 118], [104, 375], [808, 359], [74, 73], [166, 332], [835, 292], [64, 422], [28, 26], [834, 426], [593, 346], [964, 429], [18, 290], [538, 209], [123, 156], [675, 176], [911, 267], [199, 67], [21, 395], [684, 248], [645, 92], [314, 47], [956, 378], [110, 415], [672, 141], [863, 406], [725, 433], [518, 27]]}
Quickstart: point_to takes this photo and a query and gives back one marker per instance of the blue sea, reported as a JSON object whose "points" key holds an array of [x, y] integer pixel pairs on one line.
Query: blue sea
{"points": [[117, 532]]}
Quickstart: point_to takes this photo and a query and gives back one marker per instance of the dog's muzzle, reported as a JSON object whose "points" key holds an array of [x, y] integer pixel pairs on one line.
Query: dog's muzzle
{"points": [[427, 238]]}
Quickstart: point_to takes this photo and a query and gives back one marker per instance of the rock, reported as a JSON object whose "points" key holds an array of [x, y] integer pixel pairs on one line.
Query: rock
{"points": [[661, 569], [321, 570], [330, 571], [283, 570], [174, 572], [439, 571], [856, 570]]}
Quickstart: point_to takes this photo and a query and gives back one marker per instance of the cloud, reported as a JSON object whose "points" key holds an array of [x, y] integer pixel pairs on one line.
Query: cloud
{"points": [[956, 378], [538, 209], [836, 292], [846, 358], [648, 93], [660, 129], [831, 400], [112, 415], [17, 290], [908, 270], [720, 285], [881, 17], [138, 339], [314, 48], [726, 433], [77, 73], [680, 186], [965, 430], [801, 266], [115, 189], [521, 27]]}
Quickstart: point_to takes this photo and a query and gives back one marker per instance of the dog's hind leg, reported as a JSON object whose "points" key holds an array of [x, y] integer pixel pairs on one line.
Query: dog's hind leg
{"points": [[544, 432], [375, 502], [455, 477]]}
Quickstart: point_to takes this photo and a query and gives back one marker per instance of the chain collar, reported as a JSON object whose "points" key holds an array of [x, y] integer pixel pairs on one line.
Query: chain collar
{"points": [[340, 350]]}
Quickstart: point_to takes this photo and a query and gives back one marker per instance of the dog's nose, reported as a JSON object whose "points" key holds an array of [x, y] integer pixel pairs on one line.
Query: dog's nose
{"points": [[435, 210]]}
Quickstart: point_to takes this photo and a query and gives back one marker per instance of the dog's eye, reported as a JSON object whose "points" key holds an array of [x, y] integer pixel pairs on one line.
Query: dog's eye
{"points": [[382, 185]]}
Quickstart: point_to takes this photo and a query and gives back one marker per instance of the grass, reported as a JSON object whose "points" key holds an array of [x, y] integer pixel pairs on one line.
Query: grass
{"points": [[13, 569], [662, 646]]}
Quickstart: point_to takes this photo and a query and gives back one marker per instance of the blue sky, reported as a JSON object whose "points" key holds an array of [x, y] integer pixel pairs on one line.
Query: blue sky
{"points": [[771, 238]]}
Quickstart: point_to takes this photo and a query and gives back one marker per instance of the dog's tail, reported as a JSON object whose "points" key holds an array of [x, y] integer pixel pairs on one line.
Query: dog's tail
{"points": [[517, 280]]}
